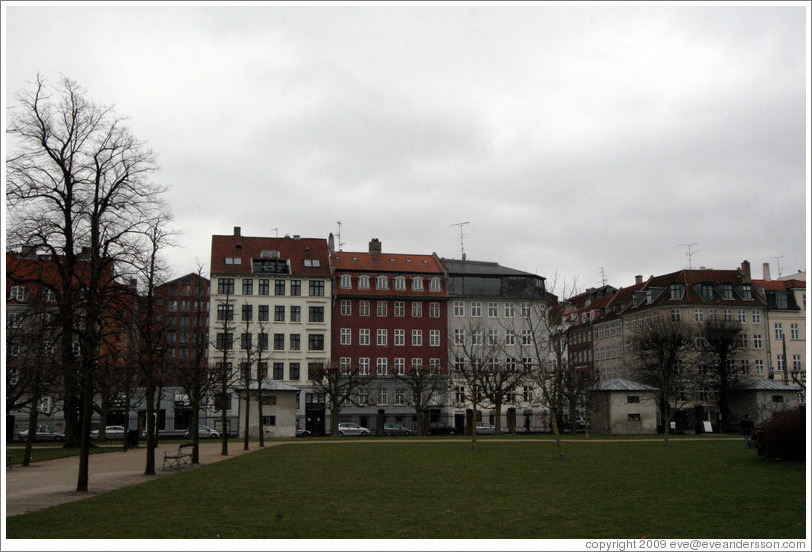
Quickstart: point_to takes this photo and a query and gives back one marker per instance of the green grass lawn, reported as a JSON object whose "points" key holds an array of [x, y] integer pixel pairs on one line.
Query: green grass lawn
{"points": [[379, 490]]}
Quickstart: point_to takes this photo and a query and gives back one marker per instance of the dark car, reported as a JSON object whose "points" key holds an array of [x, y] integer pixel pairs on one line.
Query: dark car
{"points": [[439, 428], [302, 433], [44, 433]]}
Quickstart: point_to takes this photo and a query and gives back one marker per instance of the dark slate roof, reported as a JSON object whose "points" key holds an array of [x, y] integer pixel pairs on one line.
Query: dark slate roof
{"points": [[761, 385], [457, 267], [622, 385]]}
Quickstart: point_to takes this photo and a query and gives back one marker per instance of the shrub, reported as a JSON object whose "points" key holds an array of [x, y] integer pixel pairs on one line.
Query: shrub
{"points": [[783, 436]]}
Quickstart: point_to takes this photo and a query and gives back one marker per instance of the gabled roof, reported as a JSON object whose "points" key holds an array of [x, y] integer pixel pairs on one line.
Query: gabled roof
{"points": [[780, 285], [761, 385], [457, 267], [403, 263], [622, 385], [296, 250]]}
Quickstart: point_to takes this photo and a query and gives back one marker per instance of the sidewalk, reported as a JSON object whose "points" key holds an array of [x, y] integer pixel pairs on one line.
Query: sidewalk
{"points": [[52, 482]]}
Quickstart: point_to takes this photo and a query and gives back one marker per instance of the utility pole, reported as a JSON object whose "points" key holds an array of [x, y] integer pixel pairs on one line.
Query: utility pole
{"points": [[462, 246]]}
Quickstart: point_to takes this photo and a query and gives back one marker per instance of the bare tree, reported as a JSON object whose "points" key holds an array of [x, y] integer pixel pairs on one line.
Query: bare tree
{"points": [[720, 344], [262, 373], [424, 387], [246, 367], [577, 381], [664, 350], [224, 346], [339, 385], [78, 185], [471, 356]]}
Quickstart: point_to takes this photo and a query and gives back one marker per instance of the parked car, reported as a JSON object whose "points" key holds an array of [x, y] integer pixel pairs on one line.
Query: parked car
{"points": [[439, 428], [204, 432], [302, 432], [396, 429], [349, 428], [483, 428], [110, 432], [44, 433]]}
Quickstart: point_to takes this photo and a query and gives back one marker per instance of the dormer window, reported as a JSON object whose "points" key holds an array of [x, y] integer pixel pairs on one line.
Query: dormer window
{"points": [[706, 291], [400, 283], [746, 292], [727, 291], [346, 281], [417, 283], [363, 282], [312, 263], [677, 291], [434, 284], [233, 260], [19, 293], [382, 282]]}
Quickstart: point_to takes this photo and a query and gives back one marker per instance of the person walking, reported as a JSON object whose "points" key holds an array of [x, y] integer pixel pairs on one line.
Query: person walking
{"points": [[747, 426], [527, 424]]}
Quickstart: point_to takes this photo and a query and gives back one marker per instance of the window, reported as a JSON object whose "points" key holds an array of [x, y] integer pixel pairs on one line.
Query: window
{"points": [[779, 330], [225, 312], [510, 337], [363, 336], [675, 315], [383, 337], [346, 336], [417, 364], [172, 306], [315, 342], [381, 282], [278, 371], [312, 263], [400, 309], [434, 363], [417, 283], [756, 317], [634, 417], [400, 338], [434, 284], [279, 313], [797, 365], [400, 283], [262, 370], [278, 342], [747, 292], [296, 314], [224, 341], [247, 286], [382, 367], [527, 337], [759, 367], [49, 295], [510, 310], [459, 336], [417, 309], [363, 366], [383, 309], [316, 314], [713, 315], [382, 396], [363, 282], [727, 291], [476, 308], [706, 291], [345, 281], [743, 340], [699, 315], [493, 310], [676, 291], [434, 309], [400, 397], [264, 286], [757, 341], [233, 260], [296, 288], [778, 398], [794, 332], [247, 313], [400, 366], [346, 307], [476, 337], [295, 342], [459, 308], [225, 286], [493, 337], [727, 315], [279, 287], [434, 338], [294, 371], [262, 341], [363, 308], [317, 288], [742, 316], [632, 398], [417, 338]]}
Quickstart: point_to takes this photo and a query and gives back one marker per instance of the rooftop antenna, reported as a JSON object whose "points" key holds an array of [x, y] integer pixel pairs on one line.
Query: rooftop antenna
{"points": [[603, 278], [340, 243], [462, 245], [690, 254], [276, 230], [778, 262]]}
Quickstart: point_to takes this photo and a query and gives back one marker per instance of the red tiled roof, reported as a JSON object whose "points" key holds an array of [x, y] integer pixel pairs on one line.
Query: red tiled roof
{"points": [[386, 263], [296, 250], [780, 285]]}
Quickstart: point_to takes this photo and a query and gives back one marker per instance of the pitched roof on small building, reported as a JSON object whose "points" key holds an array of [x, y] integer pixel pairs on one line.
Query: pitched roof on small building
{"points": [[622, 385], [761, 385]]}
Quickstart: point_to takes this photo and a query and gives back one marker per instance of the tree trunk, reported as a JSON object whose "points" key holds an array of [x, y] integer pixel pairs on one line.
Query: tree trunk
{"points": [[84, 450], [247, 416], [32, 425], [259, 413], [151, 429]]}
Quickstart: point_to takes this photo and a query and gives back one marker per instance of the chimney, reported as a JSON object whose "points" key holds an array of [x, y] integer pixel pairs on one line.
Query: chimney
{"points": [[638, 279], [375, 246], [236, 231], [766, 268], [746, 278]]}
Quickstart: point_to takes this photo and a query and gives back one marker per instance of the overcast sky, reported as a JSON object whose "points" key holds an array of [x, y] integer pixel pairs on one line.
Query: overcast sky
{"points": [[572, 139]]}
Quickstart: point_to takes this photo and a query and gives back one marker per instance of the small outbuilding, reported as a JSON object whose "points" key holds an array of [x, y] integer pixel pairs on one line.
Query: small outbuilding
{"points": [[761, 399], [623, 406], [278, 409]]}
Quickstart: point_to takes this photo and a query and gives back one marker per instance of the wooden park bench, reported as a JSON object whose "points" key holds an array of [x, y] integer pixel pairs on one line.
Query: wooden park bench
{"points": [[9, 459], [183, 456]]}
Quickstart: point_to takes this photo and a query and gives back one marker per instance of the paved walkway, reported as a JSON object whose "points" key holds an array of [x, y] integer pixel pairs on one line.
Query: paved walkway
{"points": [[52, 482]]}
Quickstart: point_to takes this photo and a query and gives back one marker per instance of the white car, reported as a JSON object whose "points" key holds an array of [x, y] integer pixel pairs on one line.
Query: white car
{"points": [[483, 428], [204, 432], [110, 432], [349, 428]]}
